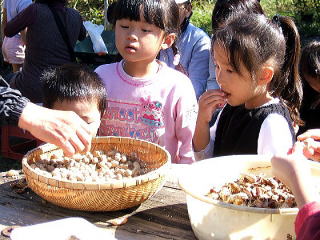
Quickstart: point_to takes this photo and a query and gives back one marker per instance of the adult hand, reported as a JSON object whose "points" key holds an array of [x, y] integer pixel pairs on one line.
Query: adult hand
{"points": [[65, 129], [311, 144]]}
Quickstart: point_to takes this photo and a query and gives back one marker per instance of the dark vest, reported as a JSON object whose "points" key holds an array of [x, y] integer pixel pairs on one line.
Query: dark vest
{"points": [[238, 128]]}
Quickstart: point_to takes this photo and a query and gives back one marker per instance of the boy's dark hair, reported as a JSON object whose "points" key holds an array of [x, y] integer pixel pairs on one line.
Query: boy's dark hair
{"points": [[162, 13], [253, 39], [73, 82], [223, 9], [310, 60]]}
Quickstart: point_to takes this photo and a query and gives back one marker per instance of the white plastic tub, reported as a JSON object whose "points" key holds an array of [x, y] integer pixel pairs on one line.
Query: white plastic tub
{"points": [[212, 219]]}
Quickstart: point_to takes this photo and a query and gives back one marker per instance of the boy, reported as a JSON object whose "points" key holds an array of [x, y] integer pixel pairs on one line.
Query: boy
{"points": [[75, 88]]}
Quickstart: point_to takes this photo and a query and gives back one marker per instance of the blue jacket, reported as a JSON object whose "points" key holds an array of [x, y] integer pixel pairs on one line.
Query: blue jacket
{"points": [[194, 47]]}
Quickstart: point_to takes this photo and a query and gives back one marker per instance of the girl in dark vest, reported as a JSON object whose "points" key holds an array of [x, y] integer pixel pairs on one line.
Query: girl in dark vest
{"points": [[260, 89], [310, 74]]}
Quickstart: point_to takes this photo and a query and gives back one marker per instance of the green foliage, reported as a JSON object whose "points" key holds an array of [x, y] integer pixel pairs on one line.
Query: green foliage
{"points": [[305, 12], [91, 10]]}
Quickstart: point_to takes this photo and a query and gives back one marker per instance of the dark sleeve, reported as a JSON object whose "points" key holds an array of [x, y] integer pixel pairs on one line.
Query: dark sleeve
{"points": [[307, 224], [11, 103], [24, 19], [83, 32]]}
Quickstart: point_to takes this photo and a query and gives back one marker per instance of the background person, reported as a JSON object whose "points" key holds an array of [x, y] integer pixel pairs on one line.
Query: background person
{"points": [[45, 45], [13, 49], [193, 46], [310, 74]]}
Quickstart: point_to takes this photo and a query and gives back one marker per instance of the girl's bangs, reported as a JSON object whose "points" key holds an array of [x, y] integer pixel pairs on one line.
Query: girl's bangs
{"points": [[131, 9]]}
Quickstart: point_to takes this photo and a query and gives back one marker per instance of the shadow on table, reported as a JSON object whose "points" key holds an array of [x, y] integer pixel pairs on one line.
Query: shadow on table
{"points": [[27, 208]]}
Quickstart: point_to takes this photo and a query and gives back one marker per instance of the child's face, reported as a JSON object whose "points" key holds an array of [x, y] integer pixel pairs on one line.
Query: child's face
{"points": [[87, 110], [240, 89], [138, 41], [313, 82]]}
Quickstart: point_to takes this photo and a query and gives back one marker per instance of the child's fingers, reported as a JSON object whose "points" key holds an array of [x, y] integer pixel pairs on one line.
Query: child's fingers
{"points": [[298, 148], [211, 104], [212, 99], [212, 92]]}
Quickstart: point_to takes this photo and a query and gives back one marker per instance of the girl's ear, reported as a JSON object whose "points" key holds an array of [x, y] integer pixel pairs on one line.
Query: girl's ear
{"points": [[266, 75], [168, 41]]}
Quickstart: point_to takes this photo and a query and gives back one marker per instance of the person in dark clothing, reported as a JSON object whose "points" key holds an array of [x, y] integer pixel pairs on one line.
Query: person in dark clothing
{"points": [[310, 73], [62, 128], [45, 44]]}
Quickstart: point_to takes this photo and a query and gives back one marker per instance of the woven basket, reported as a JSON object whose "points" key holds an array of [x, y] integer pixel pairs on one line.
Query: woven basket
{"points": [[109, 196]]}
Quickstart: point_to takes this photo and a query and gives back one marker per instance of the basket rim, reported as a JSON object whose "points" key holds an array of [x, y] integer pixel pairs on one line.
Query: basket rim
{"points": [[112, 184]]}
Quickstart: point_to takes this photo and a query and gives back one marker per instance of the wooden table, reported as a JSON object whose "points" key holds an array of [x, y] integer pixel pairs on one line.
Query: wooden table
{"points": [[164, 216]]}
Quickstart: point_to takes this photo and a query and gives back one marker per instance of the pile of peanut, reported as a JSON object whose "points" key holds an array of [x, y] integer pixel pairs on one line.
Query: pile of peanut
{"points": [[98, 166], [255, 191]]}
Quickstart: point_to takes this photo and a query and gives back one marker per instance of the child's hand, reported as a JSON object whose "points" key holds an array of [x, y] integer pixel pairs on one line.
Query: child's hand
{"points": [[286, 167], [294, 171], [208, 103], [311, 146]]}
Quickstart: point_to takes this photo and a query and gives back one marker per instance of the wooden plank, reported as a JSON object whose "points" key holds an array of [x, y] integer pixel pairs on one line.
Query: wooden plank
{"points": [[164, 216]]}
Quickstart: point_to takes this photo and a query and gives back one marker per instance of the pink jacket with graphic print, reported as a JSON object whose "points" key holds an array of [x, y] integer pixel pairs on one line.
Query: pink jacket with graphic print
{"points": [[161, 108]]}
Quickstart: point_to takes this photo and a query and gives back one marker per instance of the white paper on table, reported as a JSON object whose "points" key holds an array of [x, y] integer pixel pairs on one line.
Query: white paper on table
{"points": [[61, 230]]}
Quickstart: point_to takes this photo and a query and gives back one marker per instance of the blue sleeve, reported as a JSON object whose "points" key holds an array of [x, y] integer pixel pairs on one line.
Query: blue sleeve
{"points": [[198, 68], [23, 4]]}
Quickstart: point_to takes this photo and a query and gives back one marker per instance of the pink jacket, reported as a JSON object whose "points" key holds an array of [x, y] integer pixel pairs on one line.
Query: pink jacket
{"points": [[161, 108], [307, 225]]}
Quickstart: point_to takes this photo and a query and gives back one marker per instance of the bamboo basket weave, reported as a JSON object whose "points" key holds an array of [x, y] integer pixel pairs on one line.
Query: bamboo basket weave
{"points": [[109, 196]]}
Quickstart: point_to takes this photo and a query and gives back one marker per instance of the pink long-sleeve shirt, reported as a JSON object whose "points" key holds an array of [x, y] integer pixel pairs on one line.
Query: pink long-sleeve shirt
{"points": [[307, 224], [161, 108]]}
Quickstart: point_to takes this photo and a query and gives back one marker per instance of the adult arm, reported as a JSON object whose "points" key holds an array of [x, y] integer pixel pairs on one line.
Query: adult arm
{"points": [[64, 129], [21, 6], [11, 103], [24, 19]]}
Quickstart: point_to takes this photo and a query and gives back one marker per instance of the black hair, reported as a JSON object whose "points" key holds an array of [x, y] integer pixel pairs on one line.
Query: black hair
{"points": [[73, 82], [162, 13], [252, 40], [111, 12], [310, 60], [223, 9]]}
